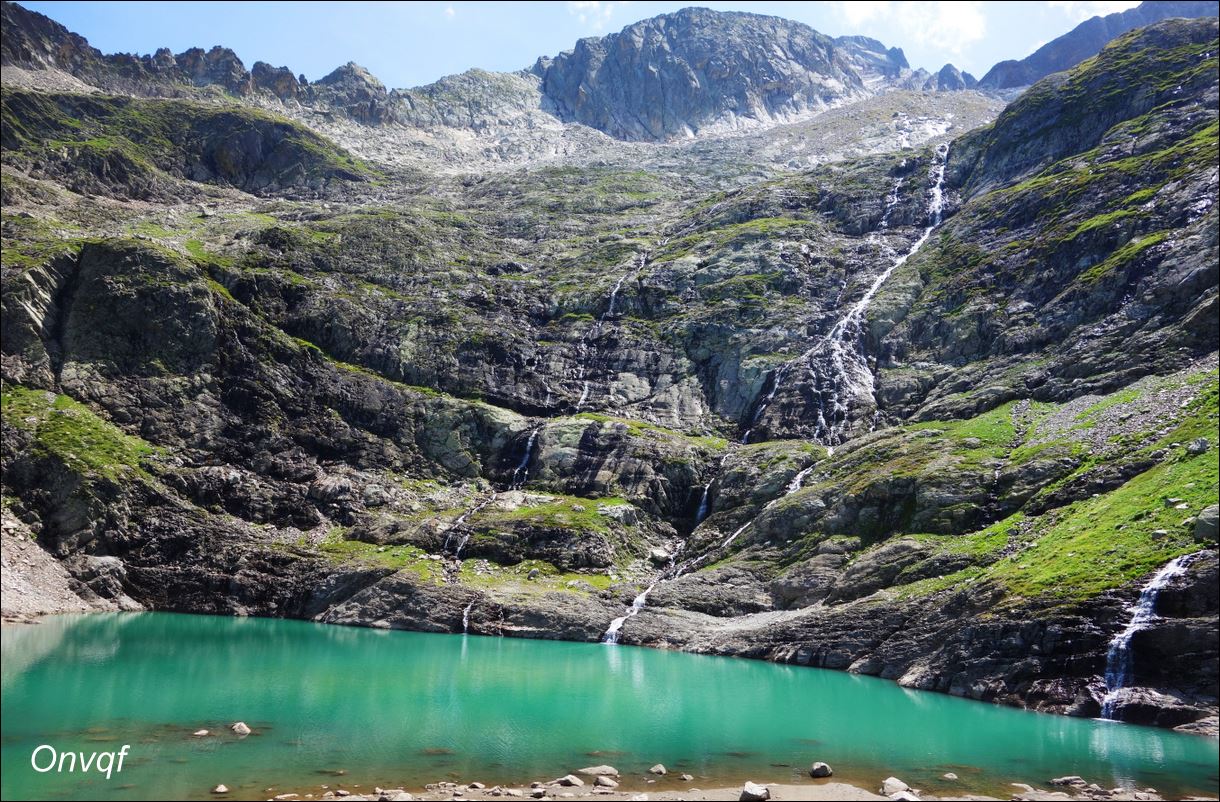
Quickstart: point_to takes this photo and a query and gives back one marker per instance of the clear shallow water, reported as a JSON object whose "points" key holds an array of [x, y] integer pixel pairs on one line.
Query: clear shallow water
{"points": [[403, 707]]}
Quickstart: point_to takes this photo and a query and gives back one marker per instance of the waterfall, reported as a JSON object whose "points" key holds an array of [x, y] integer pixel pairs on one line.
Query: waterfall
{"points": [[522, 472], [837, 361], [728, 541], [637, 604], [1120, 663], [676, 569], [460, 522], [701, 513], [466, 618], [838, 365], [797, 481], [641, 262]]}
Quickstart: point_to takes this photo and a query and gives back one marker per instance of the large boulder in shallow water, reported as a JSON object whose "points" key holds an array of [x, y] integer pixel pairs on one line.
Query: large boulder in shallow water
{"points": [[820, 769], [599, 771], [893, 785]]}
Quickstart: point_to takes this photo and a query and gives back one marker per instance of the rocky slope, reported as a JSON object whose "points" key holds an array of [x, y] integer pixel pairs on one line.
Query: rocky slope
{"points": [[1085, 40], [867, 391]]}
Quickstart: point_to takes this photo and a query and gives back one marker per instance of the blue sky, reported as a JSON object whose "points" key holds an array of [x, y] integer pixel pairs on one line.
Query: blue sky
{"points": [[408, 44]]}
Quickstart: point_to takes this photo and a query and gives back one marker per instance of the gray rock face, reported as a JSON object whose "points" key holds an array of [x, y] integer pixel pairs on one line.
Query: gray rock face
{"points": [[1085, 40], [873, 61], [678, 74]]}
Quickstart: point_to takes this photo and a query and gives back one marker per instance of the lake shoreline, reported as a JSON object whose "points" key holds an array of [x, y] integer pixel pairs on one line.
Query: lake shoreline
{"points": [[1207, 727], [420, 712]]}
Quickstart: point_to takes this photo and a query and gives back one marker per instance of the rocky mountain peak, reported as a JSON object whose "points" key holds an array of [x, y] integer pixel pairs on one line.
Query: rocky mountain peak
{"points": [[219, 66], [679, 74], [353, 75], [34, 40], [951, 79]]}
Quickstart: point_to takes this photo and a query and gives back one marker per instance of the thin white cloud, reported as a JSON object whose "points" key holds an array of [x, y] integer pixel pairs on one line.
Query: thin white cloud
{"points": [[594, 13], [1081, 10], [858, 12], [950, 26], [450, 11]]}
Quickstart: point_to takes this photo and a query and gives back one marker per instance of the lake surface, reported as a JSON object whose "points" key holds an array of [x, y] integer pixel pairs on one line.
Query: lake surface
{"points": [[390, 708]]}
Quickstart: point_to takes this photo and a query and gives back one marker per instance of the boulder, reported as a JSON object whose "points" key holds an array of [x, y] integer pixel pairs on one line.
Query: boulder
{"points": [[1071, 781], [657, 769], [820, 770], [241, 728], [569, 781], [1206, 523], [221, 789], [752, 792], [200, 733], [893, 785], [598, 771], [604, 781], [1198, 446]]}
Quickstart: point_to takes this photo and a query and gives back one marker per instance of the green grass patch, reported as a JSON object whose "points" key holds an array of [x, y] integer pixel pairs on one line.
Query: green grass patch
{"points": [[70, 432]]}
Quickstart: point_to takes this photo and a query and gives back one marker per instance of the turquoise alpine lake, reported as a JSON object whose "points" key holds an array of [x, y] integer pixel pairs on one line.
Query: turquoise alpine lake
{"points": [[340, 707]]}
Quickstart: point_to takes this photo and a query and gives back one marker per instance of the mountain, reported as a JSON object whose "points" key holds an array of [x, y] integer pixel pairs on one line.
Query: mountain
{"points": [[1085, 40], [673, 76], [920, 386]]}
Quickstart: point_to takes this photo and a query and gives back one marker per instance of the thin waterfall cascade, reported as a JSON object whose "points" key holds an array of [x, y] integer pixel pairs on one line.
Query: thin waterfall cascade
{"points": [[839, 367], [676, 570], [459, 526], [797, 481], [587, 349], [705, 499], [701, 512], [637, 604], [728, 541], [466, 618], [1120, 661], [838, 364], [522, 472]]}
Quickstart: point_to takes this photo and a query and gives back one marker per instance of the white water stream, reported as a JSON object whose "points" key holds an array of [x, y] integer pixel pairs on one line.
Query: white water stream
{"points": [[459, 524], [837, 362], [676, 570], [522, 472], [1120, 663], [585, 350]]}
